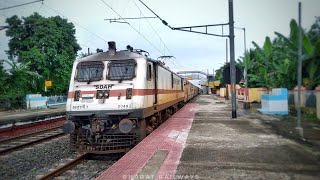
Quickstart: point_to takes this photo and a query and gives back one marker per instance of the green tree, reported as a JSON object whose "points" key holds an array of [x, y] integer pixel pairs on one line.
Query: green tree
{"points": [[219, 76], [47, 45], [16, 85], [3, 77], [275, 64]]}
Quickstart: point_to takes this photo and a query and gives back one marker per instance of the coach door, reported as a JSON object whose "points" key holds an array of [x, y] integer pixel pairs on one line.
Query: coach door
{"points": [[151, 84], [155, 79]]}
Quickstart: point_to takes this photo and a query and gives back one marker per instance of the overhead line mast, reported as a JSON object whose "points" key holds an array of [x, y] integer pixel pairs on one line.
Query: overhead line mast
{"points": [[131, 18], [231, 38]]}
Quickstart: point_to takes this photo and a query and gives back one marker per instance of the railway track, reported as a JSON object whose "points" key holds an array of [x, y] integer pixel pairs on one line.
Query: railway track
{"points": [[18, 142], [63, 167], [60, 171]]}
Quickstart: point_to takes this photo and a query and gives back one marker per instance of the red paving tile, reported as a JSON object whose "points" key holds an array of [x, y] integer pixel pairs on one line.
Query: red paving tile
{"points": [[170, 136]]}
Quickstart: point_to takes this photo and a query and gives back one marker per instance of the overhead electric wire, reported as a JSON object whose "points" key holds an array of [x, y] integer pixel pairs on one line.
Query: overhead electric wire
{"points": [[131, 18], [158, 36], [162, 20], [10, 7], [76, 23], [132, 27]]}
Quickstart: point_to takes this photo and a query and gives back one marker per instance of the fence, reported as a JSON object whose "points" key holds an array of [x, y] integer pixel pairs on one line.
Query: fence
{"points": [[308, 98], [36, 101], [56, 100]]}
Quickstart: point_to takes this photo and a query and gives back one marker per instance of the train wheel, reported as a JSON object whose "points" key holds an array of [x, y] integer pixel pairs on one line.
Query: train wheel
{"points": [[168, 113], [142, 129]]}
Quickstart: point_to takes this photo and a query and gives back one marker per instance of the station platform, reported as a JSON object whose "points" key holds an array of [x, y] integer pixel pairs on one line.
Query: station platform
{"points": [[7, 117], [201, 141]]}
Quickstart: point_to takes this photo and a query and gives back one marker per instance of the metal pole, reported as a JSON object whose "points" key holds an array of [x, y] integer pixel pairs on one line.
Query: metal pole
{"points": [[247, 105], [299, 128], [227, 91], [232, 61], [226, 50], [208, 80]]}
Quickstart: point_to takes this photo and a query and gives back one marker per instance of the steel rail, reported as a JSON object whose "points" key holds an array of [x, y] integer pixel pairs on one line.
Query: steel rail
{"points": [[64, 168], [22, 145], [29, 134]]}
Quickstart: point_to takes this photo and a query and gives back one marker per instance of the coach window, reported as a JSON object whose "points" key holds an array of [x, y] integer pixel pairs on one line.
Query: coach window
{"points": [[149, 71]]}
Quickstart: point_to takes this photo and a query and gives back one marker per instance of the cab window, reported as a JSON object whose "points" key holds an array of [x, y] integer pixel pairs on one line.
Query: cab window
{"points": [[89, 71], [121, 70]]}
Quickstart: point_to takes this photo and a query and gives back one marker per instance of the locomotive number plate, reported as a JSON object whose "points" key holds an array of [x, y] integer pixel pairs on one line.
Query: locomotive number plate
{"points": [[124, 106]]}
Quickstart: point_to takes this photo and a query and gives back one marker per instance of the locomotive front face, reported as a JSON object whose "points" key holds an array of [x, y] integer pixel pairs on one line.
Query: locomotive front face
{"points": [[103, 86], [103, 113]]}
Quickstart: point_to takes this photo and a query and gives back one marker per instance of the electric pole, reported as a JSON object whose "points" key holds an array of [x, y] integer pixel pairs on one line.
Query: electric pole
{"points": [[232, 61]]}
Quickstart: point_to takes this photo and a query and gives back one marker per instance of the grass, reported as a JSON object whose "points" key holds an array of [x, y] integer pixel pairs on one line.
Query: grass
{"points": [[311, 117]]}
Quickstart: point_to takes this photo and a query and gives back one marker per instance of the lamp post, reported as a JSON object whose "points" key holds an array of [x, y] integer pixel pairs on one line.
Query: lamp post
{"points": [[246, 104], [299, 127], [227, 91]]}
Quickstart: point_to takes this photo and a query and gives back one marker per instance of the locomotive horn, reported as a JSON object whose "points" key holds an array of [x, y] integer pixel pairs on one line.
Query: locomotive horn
{"points": [[129, 48]]}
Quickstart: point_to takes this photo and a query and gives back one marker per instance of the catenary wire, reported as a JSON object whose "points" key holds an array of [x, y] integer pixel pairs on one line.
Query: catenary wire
{"points": [[76, 23], [10, 7], [157, 35], [132, 26]]}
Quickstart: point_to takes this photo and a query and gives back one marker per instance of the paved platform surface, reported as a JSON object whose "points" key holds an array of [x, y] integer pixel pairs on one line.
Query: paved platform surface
{"points": [[27, 115], [158, 155], [201, 141]]}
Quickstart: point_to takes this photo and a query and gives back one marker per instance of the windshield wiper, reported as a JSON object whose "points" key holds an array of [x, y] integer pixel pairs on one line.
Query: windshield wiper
{"points": [[89, 80], [92, 77]]}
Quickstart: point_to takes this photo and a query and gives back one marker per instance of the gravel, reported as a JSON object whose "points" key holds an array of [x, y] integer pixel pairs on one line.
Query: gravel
{"points": [[90, 169], [28, 162], [38, 159]]}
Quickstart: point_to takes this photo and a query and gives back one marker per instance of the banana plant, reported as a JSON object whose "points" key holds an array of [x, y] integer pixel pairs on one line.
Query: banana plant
{"points": [[20, 77]]}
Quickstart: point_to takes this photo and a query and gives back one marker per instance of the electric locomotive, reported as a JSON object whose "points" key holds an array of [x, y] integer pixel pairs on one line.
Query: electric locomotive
{"points": [[116, 98]]}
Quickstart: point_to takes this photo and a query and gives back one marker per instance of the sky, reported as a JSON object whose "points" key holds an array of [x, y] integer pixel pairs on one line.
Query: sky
{"points": [[199, 52]]}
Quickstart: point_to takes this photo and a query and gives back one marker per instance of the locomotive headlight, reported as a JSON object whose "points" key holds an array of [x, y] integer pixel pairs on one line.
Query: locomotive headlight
{"points": [[129, 93], [107, 93], [77, 95], [102, 94]]}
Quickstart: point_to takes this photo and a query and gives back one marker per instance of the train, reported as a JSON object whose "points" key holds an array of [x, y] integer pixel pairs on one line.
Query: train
{"points": [[116, 98]]}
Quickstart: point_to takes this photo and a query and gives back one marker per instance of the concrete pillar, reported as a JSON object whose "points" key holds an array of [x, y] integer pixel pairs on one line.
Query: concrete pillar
{"points": [[218, 92], [303, 97], [318, 101], [222, 92]]}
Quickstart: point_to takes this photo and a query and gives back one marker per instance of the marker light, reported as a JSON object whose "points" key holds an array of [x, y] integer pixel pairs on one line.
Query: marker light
{"points": [[77, 95], [129, 93]]}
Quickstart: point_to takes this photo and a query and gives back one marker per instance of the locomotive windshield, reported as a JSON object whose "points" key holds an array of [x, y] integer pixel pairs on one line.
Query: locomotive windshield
{"points": [[123, 70], [89, 71]]}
